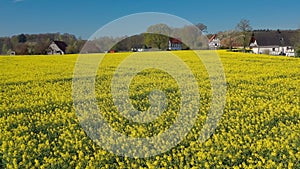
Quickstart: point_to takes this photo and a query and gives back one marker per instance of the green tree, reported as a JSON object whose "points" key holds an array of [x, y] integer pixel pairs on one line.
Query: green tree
{"points": [[4, 49], [73, 48], [296, 42], [158, 36], [22, 38], [245, 28], [6, 45]]}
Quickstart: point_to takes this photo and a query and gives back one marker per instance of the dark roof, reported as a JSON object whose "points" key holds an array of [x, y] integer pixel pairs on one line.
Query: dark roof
{"points": [[274, 37], [62, 45], [174, 40]]}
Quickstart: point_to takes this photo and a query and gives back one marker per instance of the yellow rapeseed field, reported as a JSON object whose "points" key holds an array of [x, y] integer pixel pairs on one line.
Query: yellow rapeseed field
{"points": [[260, 127]]}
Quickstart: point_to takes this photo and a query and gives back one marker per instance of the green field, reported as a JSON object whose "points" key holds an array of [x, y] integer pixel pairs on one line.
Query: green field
{"points": [[259, 128]]}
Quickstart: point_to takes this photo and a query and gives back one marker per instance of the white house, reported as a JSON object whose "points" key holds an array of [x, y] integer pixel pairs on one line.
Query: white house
{"points": [[273, 42], [57, 48], [214, 42], [174, 44]]}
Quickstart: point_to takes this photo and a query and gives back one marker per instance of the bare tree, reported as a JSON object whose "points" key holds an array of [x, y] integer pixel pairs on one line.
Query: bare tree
{"points": [[191, 36], [202, 27], [245, 28]]}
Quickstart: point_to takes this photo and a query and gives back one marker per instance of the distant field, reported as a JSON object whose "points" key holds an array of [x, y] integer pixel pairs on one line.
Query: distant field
{"points": [[260, 127]]}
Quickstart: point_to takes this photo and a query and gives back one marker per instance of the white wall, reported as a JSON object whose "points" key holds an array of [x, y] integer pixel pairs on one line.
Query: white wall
{"points": [[273, 50]]}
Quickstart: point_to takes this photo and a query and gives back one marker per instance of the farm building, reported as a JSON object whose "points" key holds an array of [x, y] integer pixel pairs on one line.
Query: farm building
{"points": [[214, 42], [57, 48], [174, 44], [273, 42]]}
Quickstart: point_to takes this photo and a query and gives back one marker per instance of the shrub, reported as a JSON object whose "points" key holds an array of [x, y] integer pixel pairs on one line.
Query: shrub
{"points": [[298, 52]]}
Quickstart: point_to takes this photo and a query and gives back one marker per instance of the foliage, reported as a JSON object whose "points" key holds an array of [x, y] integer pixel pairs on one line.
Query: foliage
{"points": [[259, 127], [158, 36], [135, 41], [230, 39], [298, 52], [75, 47], [34, 44], [22, 38], [296, 41]]}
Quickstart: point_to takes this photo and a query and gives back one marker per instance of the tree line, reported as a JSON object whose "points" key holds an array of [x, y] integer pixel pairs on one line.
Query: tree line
{"points": [[156, 36], [36, 44]]}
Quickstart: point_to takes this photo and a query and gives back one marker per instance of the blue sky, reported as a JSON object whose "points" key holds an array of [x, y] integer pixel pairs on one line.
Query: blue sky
{"points": [[83, 18]]}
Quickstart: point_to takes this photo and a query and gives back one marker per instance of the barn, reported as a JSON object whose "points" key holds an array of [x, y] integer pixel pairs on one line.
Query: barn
{"points": [[57, 48]]}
